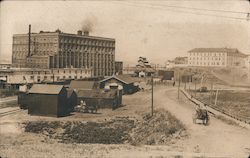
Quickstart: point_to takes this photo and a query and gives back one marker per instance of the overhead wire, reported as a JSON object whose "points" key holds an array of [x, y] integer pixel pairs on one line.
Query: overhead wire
{"points": [[200, 9], [181, 11]]}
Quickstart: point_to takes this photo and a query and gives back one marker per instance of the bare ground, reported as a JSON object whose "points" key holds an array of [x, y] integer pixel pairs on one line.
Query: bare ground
{"points": [[219, 139]]}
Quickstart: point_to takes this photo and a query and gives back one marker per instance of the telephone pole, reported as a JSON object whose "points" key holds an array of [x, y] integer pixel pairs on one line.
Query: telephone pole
{"points": [[152, 96], [179, 85]]}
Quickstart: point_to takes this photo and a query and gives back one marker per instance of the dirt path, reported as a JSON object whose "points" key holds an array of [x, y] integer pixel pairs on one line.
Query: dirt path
{"points": [[218, 138]]}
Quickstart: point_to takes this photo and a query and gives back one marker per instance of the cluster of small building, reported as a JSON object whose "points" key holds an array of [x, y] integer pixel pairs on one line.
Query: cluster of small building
{"points": [[60, 100]]}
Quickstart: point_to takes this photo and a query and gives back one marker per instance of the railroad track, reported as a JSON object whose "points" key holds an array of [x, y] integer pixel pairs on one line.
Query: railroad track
{"points": [[9, 112]]}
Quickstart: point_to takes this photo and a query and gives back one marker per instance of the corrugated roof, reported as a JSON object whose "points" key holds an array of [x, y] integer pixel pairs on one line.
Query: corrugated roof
{"points": [[84, 85], [84, 93], [96, 93], [46, 89]]}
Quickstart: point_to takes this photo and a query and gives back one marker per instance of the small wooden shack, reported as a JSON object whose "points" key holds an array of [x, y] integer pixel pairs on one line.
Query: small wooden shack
{"points": [[101, 98], [49, 100], [125, 82]]}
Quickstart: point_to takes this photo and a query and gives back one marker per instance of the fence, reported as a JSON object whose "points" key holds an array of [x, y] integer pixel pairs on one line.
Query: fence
{"points": [[197, 102]]}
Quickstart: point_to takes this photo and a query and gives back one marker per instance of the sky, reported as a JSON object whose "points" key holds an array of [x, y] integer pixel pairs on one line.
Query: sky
{"points": [[141, 28]]}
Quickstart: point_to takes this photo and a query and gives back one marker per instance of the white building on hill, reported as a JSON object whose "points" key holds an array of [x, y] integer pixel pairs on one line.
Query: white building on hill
{"points": [[216, 57]]}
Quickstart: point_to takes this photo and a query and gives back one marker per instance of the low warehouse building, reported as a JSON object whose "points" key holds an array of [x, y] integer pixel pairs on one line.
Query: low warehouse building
{"points": [[101, 98], [124, 82], [166, 75], [49, 100]]}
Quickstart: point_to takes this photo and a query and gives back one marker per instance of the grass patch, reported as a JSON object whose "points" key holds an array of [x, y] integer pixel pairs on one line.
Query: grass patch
{"points": [[158, 129]]}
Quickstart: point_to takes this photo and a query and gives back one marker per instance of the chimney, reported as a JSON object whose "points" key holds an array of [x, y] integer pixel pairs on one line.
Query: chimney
{"points": [[79, 32], [86, 33], [29, 41]]}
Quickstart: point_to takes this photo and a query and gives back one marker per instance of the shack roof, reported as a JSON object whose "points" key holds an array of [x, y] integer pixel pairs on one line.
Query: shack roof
{"points": [[46, 89], [96, 93], [70, 92], [122, 78], [87, 85]]}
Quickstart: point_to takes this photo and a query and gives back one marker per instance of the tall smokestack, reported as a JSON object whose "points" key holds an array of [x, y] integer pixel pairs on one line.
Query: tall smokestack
{"points": [[29, 40]]}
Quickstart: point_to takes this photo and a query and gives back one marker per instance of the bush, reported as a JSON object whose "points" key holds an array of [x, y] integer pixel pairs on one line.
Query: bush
{"points": [[202, 89]]}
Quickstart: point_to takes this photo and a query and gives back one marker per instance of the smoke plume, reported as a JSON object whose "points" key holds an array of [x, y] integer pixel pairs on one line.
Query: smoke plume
{"points": [[89, 23]]}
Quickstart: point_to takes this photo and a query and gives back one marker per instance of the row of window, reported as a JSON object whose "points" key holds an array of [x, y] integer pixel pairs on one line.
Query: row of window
{"points": [[207, 54], [87, 48], [88, 42], [52, 77], [22, 47], [25, 39], [207, 58], [207, 64]]}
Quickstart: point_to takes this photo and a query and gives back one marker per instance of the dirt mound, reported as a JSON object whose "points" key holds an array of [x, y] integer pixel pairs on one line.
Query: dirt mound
{"points": [[158, 129], [108, 132]]}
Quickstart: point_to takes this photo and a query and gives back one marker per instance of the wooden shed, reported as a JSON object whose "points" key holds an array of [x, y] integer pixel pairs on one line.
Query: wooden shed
{"points": [[124, 82], [49, 100], [101, 98]]}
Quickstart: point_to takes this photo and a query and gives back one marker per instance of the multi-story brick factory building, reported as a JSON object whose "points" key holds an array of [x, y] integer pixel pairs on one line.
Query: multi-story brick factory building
{"points": [[216, 57], [64, 50]]}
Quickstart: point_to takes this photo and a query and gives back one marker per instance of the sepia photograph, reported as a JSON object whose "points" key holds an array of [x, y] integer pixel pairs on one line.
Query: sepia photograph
{"points": [[125, 79]]}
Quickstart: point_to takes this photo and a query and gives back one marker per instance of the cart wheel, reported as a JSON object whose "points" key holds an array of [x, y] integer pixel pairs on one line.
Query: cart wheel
{"points": [[194, 120]]}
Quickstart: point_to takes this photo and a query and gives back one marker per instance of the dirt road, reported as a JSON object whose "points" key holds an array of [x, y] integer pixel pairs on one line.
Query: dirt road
{"points": [[219, 138]]}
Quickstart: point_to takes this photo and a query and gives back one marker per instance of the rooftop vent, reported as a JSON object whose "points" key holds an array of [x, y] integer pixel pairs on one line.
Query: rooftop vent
{"points": [[79, 32], [86, 33]]}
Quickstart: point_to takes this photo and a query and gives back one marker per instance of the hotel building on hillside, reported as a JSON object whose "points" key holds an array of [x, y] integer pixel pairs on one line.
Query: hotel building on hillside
{"points": [[63, 50], [216, 57]]}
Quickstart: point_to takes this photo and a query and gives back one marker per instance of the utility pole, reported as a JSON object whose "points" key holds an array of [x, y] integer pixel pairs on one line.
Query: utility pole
{"points": [[211, 92], [179, 85], [216, 97], [152, 96], [185, 82], [195, 88]]}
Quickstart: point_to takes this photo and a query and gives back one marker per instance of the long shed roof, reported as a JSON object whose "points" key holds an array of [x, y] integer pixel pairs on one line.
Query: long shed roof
{"points": [[83, 85], [122, 78], [46, 89]]}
